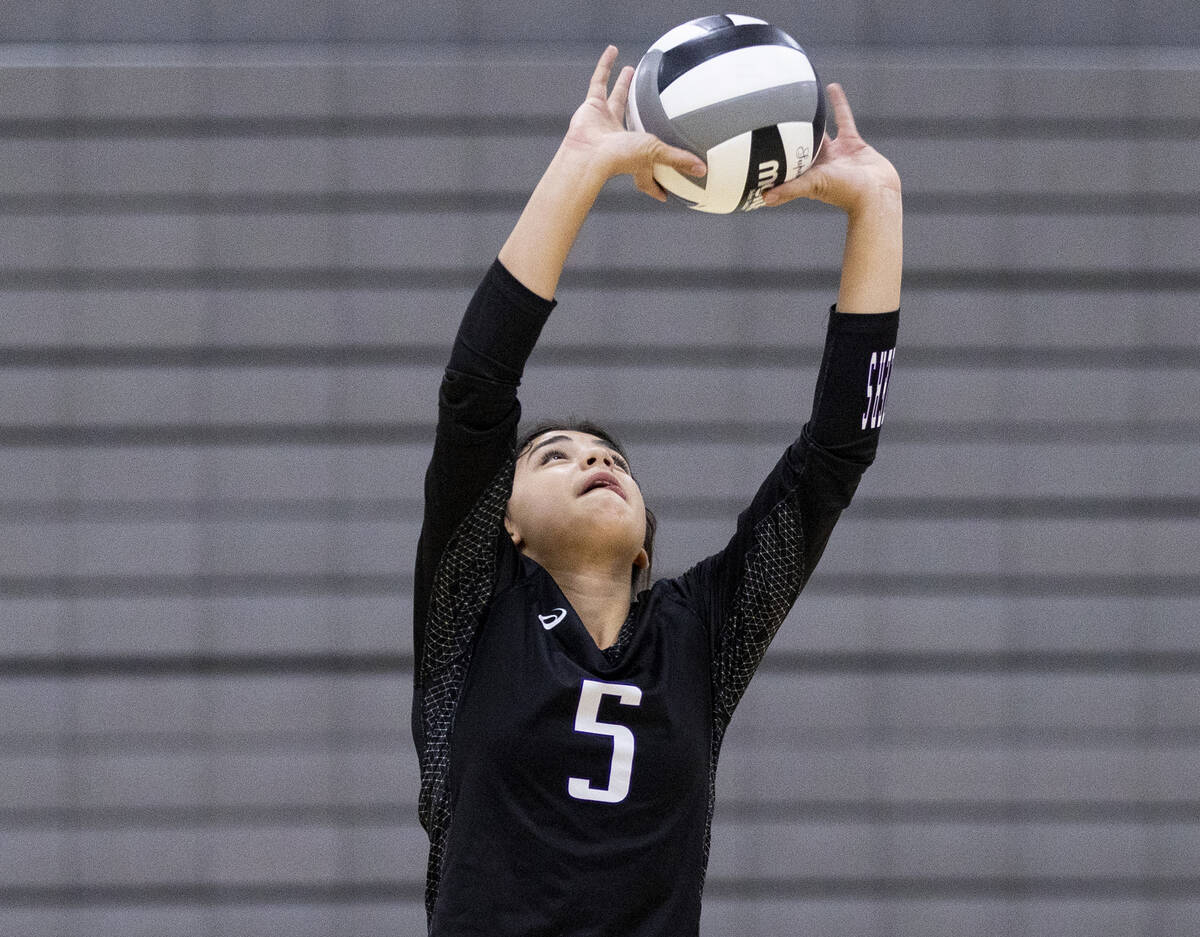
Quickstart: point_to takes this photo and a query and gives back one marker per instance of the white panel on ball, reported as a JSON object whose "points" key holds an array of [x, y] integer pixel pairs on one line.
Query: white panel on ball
{"points": [[734, 74], [798, 145]]}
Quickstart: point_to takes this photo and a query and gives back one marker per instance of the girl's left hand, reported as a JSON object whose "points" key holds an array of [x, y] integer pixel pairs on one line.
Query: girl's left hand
{"points": [[848, 173]]}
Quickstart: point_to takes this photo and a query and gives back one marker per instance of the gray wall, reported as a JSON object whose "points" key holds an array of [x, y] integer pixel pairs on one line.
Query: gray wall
{"points": [[229, 276]]}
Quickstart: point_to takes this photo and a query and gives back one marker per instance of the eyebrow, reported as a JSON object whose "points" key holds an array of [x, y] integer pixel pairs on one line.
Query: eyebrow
{"points": [[548, 442], [564, 438]]}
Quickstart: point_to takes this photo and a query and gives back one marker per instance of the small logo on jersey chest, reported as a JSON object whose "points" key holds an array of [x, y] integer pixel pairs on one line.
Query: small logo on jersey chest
{"points": [[554, 618]]}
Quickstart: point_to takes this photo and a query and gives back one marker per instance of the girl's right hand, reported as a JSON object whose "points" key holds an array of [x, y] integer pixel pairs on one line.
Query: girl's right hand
{"points": [[597, 134]]}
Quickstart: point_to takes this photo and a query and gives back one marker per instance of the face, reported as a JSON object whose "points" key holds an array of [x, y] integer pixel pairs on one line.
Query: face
{"points": [[574, 494]]}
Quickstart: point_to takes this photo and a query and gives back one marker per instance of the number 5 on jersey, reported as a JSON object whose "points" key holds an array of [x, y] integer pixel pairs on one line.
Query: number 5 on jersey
{"points": [[587, 720]]}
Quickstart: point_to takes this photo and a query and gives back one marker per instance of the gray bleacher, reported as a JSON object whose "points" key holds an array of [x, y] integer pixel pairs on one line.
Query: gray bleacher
{"points": [[236, 245]]}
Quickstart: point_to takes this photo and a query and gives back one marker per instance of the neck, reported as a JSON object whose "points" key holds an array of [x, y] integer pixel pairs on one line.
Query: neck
{"points": [[600, 598]]}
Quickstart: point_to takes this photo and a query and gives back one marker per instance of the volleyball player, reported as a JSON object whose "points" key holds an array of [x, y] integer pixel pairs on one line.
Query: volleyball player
{"points": [[568, 720]]}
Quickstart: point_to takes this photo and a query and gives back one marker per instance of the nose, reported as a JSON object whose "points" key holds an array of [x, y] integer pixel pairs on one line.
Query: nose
{"points": [[598, 455]]}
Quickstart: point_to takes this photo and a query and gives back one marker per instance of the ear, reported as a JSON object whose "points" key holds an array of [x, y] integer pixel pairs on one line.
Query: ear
{"points": [[642, 560], [513, 532]]}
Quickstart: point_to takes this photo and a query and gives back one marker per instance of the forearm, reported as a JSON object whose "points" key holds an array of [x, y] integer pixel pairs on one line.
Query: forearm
{"points": [[851, 388], [536, 250], [596, 148], [851, 175], [872, 259]]}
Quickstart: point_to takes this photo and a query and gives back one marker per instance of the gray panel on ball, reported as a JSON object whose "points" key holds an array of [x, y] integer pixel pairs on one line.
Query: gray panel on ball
{"points": [[714, 124], [650, 110]]}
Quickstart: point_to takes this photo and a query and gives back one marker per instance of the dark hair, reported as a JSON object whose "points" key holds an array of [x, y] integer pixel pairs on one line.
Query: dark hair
{"points": [[640, 578]]}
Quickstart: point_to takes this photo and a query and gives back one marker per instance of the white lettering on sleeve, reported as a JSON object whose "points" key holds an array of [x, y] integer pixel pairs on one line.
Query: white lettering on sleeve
{"points": [[879, 373]]}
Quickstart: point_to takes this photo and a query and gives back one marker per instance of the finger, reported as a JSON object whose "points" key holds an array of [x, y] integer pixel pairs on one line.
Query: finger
{"points": [[841, 110], [782, 194], [679, 159], [598, 86], [655, 191], [619, 98], [646, 182], [803, 186]]}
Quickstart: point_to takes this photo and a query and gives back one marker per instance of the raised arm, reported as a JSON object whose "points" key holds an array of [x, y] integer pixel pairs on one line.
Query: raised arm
{"points": [[478, 409], [748, 588], [596, 147]]}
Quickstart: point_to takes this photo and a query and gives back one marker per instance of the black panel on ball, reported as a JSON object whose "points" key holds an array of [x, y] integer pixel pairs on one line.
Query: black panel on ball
{"points": [[765, 167]]}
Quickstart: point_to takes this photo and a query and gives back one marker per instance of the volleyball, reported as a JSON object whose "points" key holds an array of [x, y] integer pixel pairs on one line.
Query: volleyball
{"points": [[739, 93]]}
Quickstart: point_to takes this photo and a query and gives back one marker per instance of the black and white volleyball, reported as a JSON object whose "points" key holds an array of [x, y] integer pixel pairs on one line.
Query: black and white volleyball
{"points": [[739, 93]]}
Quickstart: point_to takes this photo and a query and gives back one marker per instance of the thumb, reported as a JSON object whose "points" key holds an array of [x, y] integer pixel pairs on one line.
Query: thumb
{"points": [[677, 158], [806, 185]]}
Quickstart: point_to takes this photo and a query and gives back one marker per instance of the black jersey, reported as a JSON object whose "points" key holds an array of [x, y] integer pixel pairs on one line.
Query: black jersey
{"points": [[568, 790]]}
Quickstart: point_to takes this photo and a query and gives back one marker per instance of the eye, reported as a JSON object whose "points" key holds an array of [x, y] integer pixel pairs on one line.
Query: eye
{"points": [[551, 454], [621, 463]]}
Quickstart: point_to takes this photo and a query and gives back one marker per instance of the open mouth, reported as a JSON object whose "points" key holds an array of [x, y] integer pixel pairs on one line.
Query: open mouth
{"points": [[603, 480]]}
